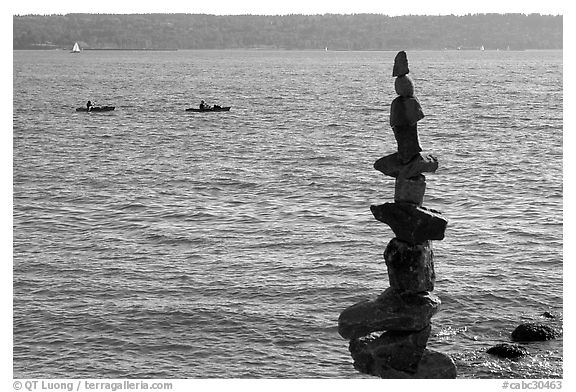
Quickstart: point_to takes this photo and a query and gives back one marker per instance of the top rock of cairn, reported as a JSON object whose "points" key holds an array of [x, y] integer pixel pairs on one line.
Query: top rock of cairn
{"points": [[400, 64]]}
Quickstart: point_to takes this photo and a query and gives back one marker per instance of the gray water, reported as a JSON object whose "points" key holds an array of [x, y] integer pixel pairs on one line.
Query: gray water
{"points": [[150, 242]]}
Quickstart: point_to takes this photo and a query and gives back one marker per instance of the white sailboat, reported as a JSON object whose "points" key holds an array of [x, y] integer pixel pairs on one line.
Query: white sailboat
{"points": [[76, 48]]}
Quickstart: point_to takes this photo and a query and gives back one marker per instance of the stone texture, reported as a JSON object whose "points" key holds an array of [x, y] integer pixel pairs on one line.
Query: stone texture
{"points": [[410, 267], [411, 223], [506, 350], [398, 350], [407, 141], [410, 190], [405, 111], [404, 86], [392, 310], [432, 365], [529, 332], [400, 64], [436, 365], [391, 165]]}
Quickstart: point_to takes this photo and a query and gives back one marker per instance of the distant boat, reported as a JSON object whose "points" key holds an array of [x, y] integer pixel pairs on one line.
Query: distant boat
{"points": [[96, 109], [214, 108], [76, 48], [470, 47]]}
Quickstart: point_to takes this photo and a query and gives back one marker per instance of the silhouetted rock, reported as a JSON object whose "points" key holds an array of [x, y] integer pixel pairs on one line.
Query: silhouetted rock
{"points": [[398, 350], [548, 315], [404, 86], [411, 223], [407, 141], [400, 64], [410, 190], [392, 310], [405, 111], [432, 365], [506, 350], [410, 267], [436, 365], [404, 115], [533, 332], [391, 165]]}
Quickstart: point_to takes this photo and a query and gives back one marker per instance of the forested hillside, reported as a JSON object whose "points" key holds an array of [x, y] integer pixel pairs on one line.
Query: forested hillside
{"points": [[336, 32]]}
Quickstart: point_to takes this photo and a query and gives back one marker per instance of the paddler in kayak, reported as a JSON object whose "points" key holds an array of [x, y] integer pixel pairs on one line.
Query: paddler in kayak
{"points": [[204, 106]]}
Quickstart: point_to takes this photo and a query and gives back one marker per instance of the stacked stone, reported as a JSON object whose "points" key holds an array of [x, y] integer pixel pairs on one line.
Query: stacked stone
{"points": [[388, 335]]}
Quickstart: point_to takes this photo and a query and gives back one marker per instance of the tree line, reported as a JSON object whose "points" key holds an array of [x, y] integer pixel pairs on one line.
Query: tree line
{"points": [[336, 32]]}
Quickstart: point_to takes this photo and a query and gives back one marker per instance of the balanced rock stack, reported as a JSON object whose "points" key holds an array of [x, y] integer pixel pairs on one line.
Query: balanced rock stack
{"points": [[388, 335]]}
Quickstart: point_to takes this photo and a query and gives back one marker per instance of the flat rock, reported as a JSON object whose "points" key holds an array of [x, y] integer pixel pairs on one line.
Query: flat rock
{"points": [[410, 190], [392, 310], [530, 332], [432, 365], [506, 350], [411, 223], [405, 111], [400, 64], [392, 166], [410, 267], [398, 350]]}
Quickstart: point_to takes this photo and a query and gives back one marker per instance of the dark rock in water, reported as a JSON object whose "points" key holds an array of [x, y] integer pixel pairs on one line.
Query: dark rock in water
{"points": [[392, 310], [410, 267], [410, 223], [506, 350], [405, 111], [432, 365], [407, 141], [400, 64], [548, 315], [436, 365], [404, 86], [398, 350], [410, 190], [393, 167], [529, 332], [401, 350]]}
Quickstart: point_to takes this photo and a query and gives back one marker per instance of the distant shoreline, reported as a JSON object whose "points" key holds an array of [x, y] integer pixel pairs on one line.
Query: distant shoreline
{"points": [[335, 32], [133, 49], [290, 50]]}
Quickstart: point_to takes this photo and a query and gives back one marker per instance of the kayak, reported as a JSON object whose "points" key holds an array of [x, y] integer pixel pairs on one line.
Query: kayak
{"points": [[97, 109], [212, 109]]}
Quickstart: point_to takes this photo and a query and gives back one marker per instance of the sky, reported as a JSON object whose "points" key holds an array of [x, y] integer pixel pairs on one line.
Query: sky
{"points": [[282, 7]]}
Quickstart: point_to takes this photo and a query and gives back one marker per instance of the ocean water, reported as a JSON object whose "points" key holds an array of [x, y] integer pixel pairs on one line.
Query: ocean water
{"points": [[150, 242]]}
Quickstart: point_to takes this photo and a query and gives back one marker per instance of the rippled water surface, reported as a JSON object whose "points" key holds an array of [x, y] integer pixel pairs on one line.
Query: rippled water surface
{"points": [[154, 242]]}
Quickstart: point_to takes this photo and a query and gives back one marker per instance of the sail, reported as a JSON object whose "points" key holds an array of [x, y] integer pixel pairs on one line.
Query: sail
{"points": [[76, 48]]}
